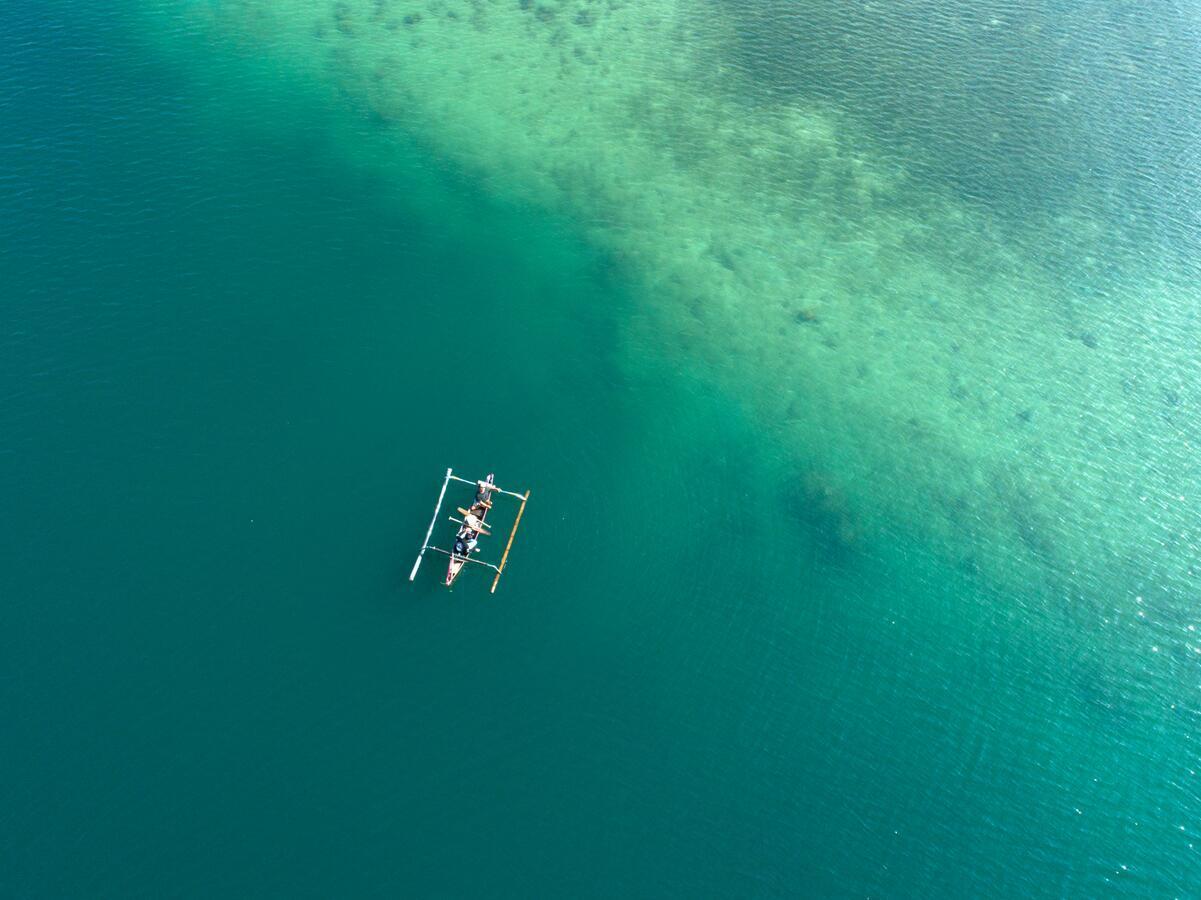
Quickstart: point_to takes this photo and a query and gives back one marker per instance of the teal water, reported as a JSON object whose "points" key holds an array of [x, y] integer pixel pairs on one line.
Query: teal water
{"points": [[896, 310]]}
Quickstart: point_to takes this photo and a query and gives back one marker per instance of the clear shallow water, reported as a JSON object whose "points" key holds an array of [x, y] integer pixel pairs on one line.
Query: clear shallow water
{"points": [[901, 653]]}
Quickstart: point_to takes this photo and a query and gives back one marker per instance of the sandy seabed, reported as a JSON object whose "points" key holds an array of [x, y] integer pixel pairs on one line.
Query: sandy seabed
{"points": [[926, 377]]}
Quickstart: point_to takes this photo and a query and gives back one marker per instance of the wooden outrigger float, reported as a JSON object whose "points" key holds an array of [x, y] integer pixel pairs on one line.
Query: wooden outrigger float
{"points": [[465, 542]]}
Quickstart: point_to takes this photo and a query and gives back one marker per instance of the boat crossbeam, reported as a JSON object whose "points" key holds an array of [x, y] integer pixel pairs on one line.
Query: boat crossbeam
{"points": [[495, 489], [478, 562]]}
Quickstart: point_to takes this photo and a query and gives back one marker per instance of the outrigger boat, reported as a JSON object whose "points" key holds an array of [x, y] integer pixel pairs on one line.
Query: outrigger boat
{"points": [[472, 527]]}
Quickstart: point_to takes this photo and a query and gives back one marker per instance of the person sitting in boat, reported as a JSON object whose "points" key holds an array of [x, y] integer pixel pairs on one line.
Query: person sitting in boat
{"points": [[469, 532], [483, 491], [465, 540], [472, 521]]}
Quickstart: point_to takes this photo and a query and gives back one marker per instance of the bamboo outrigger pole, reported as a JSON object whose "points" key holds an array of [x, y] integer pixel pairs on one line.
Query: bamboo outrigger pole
{"points": [[500, 569], [434, 519]]}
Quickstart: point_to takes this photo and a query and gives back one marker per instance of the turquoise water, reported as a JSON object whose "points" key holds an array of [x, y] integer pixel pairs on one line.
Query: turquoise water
{"points": [[896, 311]]}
